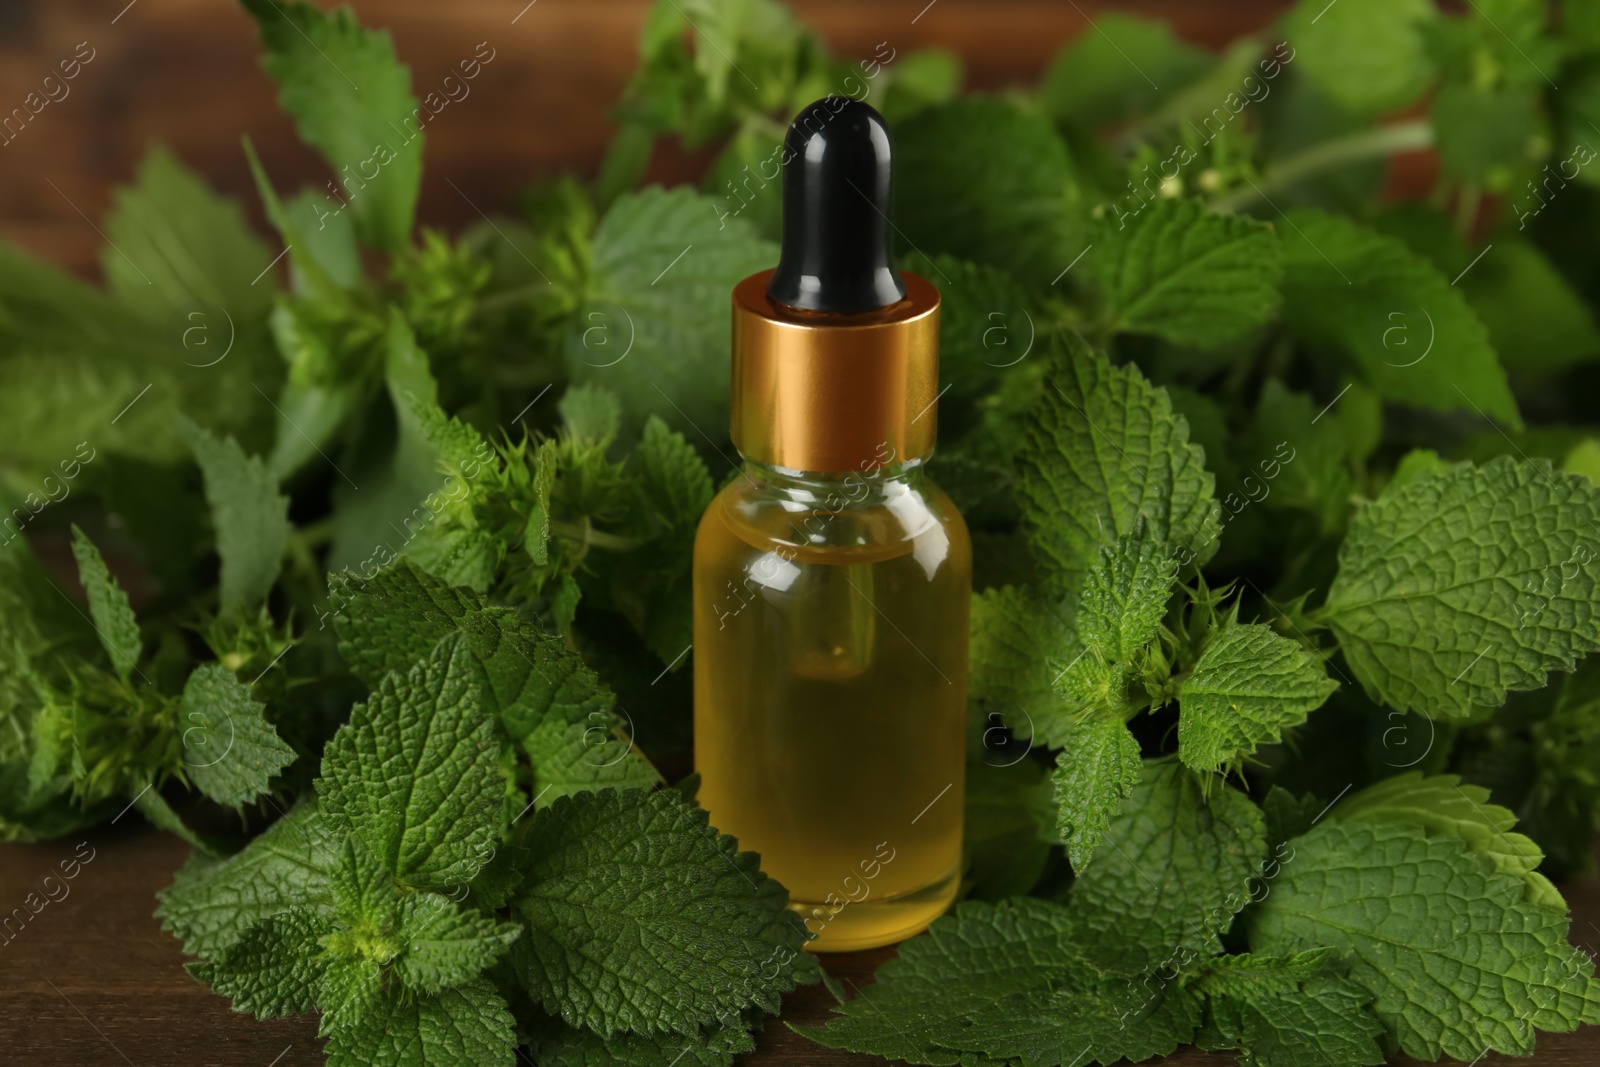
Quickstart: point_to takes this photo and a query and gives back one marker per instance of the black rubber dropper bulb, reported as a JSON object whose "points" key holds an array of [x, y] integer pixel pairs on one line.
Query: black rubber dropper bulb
{"points": [[837, 249]]}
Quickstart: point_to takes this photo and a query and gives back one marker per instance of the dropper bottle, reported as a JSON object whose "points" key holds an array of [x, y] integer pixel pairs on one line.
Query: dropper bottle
{"points": [[831, 577]]}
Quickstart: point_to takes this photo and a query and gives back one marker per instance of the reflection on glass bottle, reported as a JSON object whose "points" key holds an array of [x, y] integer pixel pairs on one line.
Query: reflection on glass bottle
{"points": [[832, 623]]}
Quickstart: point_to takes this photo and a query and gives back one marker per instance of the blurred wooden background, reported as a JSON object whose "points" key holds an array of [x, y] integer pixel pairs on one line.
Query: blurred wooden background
{"points": [[186, 73]]}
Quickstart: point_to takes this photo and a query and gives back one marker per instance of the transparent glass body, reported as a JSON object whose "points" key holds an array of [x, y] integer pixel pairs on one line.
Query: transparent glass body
{"points": [[830, 660]]}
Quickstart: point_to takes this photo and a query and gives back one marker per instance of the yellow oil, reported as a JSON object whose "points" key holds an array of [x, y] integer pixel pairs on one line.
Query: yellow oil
{"points": [[830, 702]]}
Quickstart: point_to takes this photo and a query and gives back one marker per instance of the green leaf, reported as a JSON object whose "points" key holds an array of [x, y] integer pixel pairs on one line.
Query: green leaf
{"points": [[573, 757], [172, 242], [1458, 961], [1006, 829], [1288, 1011], [654, 588], [590, 415], [1249, 685], [1537, 323], [544, 696], [446, 945], [1297, 456], [1465, 583], [211, 903], [415, 772], [1103, 452], [100, 376], [653, 327], [919, 79], [1390, 312], [690, 924], [365, 894], [1000, 983], [987, 325], [351, 100], [1367, 55], [1125, 596], [250, 515], [1484, 132], [230, 750], [555, 1042], [274, 969], [391, 620], [987, 181], [673, 475], [108, 606], [1173, 870], [1097, 770], [1443, 805], [1123, 65], [467, 1024], [1178, 271], [1016, 648]]}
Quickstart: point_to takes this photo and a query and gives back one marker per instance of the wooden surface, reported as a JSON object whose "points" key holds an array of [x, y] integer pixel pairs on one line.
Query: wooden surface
{"points": [[93, 979], [186, 73]]}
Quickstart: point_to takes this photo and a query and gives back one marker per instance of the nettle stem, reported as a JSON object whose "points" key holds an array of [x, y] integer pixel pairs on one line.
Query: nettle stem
{"points": [[587, 536], [1352, 148]]}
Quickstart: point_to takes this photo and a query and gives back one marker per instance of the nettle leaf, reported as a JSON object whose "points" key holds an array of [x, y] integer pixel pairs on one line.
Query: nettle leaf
{"points": [[672, 475], [1124, 67], [250, 515], [191, 245], [1367, 55], [1016, 648], [1179, 271], [1096, 772], [467, 1024], [351, 100], [1392, 314], [1288, 1011], [1104, 455], [445, 944], [1125, 596], [1304, 452], [1248, 686], [230, 750], [653, 325], [274, 969], [640, 918], [553, 1041], [591, 415], [211, 903], [108, 606], [1457, 959], [950, 196], [1442, 804], [1172, 871], [1007, 828], [546, 698], [572, 757], [365, 894], [1537, 322], [1467, 582], [415, 772], [1007, 982]]}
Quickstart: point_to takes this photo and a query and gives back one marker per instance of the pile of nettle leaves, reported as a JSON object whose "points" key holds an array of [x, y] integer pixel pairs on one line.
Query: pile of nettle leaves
{"points": [[1284, 508]]}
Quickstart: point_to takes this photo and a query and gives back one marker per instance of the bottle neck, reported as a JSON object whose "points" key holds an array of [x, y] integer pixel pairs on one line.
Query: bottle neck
{"points": [[834, 491]]}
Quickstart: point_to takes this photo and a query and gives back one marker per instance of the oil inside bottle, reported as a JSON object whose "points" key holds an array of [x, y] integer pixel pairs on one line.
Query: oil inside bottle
{"points": [[830, 677]]}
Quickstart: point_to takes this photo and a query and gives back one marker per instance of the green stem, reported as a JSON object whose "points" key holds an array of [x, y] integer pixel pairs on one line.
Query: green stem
{"points": [[510, 296], [587, 536], [1366, 144]]}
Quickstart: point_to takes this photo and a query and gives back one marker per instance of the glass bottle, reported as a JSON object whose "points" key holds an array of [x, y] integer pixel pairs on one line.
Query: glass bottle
{"points": [[831, 577]]}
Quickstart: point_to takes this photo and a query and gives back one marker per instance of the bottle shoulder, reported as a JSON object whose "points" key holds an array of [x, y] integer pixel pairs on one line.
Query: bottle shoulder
{"points": [[848, 520]]}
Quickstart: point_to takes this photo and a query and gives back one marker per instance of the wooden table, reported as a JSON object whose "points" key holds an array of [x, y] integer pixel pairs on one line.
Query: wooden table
{"points": [[93, 979]]}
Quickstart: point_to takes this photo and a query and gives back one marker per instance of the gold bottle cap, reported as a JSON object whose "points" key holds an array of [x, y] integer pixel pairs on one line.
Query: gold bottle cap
{"points": [[823, 391]]}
